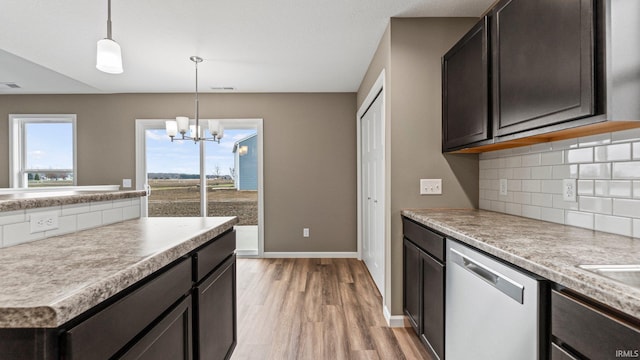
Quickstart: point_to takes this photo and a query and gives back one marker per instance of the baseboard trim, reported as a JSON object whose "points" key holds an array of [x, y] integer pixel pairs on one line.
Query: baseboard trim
{"points": [[397, 321], [310, 255], [246, 253]]}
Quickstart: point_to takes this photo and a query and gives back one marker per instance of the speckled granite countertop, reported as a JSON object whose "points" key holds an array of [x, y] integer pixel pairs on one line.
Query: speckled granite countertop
{"points": [[49, 282], [550, 250], [30, 200]]}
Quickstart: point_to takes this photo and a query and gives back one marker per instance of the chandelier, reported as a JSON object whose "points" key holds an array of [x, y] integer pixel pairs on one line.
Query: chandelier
{"points": [[196, 133]]}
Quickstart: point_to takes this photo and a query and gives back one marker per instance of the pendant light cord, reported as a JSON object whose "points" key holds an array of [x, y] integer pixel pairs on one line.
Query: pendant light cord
{"points": [[197, 104], [109, 20]]}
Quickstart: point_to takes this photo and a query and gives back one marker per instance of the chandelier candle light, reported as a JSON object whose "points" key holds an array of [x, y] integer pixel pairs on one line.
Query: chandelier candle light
{"points": [[109, 55], [181, 123]]}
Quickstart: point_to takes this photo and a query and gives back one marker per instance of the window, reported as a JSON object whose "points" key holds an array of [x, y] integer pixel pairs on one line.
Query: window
{"points": [[42, 150]]}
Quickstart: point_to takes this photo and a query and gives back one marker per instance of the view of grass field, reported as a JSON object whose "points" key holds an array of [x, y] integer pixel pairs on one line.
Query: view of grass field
{"points": [[181, 197]]}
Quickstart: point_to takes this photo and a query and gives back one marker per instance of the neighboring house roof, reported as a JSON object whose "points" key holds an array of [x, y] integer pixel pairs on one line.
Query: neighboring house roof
{"points": [[235, 146]]}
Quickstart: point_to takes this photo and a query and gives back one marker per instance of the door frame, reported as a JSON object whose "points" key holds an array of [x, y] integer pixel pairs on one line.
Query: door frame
{"points": [[241, 123], [377, 88]]}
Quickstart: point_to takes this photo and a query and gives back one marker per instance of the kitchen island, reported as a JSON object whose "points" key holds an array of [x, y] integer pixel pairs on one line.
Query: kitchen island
{"points": [[52, 288]]}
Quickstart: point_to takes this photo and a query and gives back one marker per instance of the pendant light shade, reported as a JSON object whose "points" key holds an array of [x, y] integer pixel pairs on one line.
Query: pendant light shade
{"points": [[109, 57]]}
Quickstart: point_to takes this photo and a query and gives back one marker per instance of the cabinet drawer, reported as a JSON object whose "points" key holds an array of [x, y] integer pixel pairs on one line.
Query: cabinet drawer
{"points": [[426, 239], [103, 334], [212, 255], [590, 331]]}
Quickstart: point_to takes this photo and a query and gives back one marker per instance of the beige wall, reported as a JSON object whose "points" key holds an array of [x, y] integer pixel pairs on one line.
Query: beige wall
{"points": [[412, 62], [309, 152]]}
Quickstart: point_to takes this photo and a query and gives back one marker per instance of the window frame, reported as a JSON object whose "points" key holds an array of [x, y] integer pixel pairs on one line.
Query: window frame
{"points": [[17, 145]]}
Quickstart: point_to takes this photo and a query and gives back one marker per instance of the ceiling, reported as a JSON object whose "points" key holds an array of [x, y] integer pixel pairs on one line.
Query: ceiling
{"points": [[252, 45]]}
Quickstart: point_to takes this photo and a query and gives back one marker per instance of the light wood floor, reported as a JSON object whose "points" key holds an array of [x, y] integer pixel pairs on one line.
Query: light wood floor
{"points": [[315, 309]]}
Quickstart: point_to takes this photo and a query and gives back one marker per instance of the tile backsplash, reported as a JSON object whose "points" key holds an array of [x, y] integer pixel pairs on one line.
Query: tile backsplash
{"points": [[607, 172], [15, 225]]}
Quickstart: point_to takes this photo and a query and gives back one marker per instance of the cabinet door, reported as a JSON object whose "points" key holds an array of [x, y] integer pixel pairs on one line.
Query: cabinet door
{"points": [[543, 63], [170, 339], [216, 313], [465, 88], [433, 304], [412, 284]]}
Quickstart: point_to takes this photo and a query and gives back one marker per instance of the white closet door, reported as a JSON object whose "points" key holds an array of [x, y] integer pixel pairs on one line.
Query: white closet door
{"points": [[372, 141]]}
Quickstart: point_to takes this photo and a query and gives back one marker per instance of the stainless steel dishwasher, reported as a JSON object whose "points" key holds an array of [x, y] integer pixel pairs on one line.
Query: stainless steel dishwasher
{"points": [[492, 309]]}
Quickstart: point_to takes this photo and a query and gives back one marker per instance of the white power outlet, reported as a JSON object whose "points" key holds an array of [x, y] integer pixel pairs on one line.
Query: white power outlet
{"points": [[569, 190], [305, 232], [43, 222], [503, 187], [126, 183], [430, 186]]}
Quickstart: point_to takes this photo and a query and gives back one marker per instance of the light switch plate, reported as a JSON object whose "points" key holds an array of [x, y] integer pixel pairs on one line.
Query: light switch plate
{"points": [[503, 187], [569, 190], [430, 186], [305, 232]]}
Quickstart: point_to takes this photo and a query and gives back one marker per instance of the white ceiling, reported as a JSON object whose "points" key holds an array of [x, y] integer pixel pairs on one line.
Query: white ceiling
{"points": [[253, 45]]}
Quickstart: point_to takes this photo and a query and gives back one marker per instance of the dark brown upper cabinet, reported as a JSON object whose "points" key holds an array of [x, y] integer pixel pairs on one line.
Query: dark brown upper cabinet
{"points": [[543, 63], [465, 90]]}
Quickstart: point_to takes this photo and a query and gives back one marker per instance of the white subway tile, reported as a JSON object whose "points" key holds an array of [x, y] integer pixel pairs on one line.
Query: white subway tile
{"points": [[617, 152], [503, 153], [12, 217], [488, 174], [513, 209], [542, 172], [507, 198], [484, 184], [533, 212], [522, 198], [516, 185], [595, 204], [112, 216], [89, 220], [619, 188], [531, 185], [636, 189], [505, 173], [579, 155], [487, 155], [514, 161], [564, 172], [552, 158], [14, 234], [565, 144], [498, 206], [636, 151], [531, 160], [601, 188], [121, 203], [585, 187], [636, 228], [73, 209], [599, 139], [626, 170], [493, 185], [520, 150], [484, 204], [579, 219], [48, 210], [559, 203], [551, 186], [521, 173], [483, 164], [540, 199], [552, 215], [131, 212], [101, 205], [542, 147], [613, 224], [595, 171], [626, 207], [491, 194], [625, 135], [66, 225]]}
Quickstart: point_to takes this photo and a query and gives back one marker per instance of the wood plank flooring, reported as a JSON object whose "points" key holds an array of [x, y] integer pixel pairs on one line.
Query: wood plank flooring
{"points": [[315, 309]]}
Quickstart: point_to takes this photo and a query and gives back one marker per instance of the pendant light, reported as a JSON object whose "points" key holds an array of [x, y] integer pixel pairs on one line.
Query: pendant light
{"points": [[109, 55], [181, 124]]}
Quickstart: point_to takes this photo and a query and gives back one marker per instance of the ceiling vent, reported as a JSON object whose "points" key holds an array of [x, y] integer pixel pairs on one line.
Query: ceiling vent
{"points": [[10, 85]]}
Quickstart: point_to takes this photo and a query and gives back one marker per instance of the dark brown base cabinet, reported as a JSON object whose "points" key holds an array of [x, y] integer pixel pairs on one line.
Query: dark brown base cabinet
{"points": [[187, 310], [582, 329], [424, 278]]}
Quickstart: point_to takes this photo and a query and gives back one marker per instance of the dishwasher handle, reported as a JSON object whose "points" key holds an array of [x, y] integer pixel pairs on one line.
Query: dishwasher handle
{"points": [[492, 277]]}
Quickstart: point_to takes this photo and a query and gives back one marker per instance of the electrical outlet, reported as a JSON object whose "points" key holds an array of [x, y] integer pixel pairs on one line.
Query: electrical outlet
{"points": [[43, 222], [503, 187], [305, 232], [569, 190], [430, 186], [126, 183]]}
